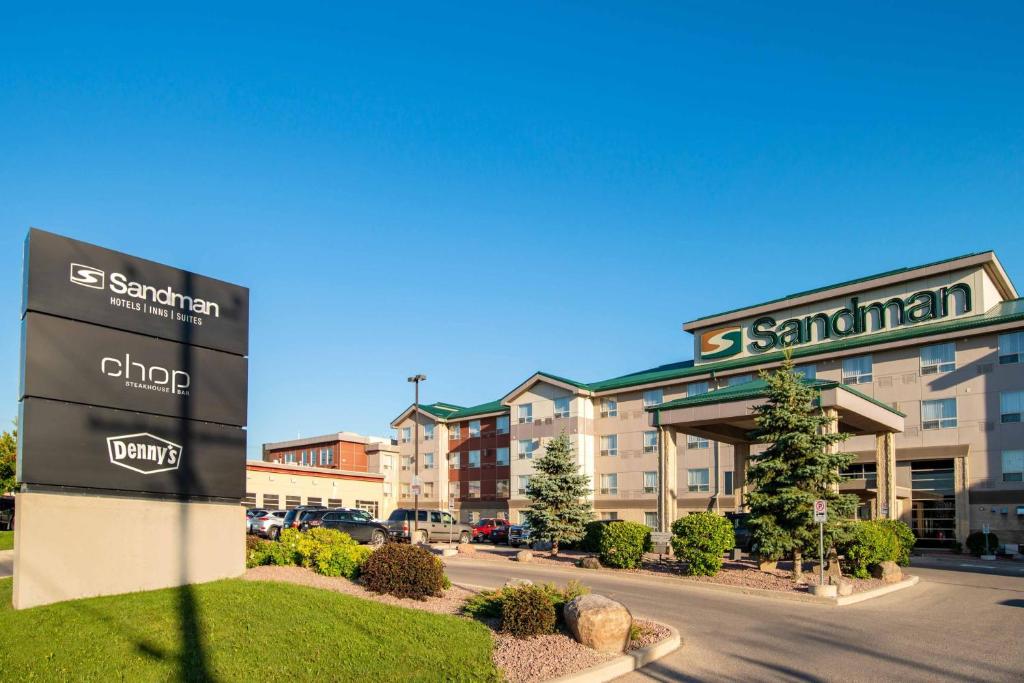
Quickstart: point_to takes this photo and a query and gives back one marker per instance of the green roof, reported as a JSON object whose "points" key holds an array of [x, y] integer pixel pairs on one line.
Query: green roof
{"points": [[578, 385], [756, 389], [482, 409], [1005, 312], [887, 273], [441, 410]]}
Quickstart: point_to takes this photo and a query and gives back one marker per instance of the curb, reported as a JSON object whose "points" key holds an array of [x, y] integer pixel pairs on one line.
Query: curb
{"points": [[626, 663], [740, 590]]}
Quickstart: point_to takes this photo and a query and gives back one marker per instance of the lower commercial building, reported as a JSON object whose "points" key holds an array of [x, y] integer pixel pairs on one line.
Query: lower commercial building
{"points": [[341, 469], [923, 367]]}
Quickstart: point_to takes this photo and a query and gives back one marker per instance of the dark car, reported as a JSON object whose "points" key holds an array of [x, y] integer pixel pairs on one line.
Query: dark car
{"points": [[358, 524], [482, 529], [499, 534], [293, 520], [519, 534], [740, 527]]}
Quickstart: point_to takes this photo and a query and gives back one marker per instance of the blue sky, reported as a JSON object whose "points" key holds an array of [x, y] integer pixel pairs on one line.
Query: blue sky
{"points": [[476, 192]]}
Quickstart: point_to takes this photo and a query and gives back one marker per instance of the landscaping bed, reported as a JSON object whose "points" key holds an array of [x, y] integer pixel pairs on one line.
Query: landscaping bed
{"points": [[738, 573]]}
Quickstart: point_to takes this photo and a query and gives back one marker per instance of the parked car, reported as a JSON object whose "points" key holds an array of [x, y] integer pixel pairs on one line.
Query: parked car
{"points": [[358, 524], [482, 529], [740, 527], [6, 513], [519, 534], [432, 525], [251, 514], [268, 525], [293, 519], [499, 534]]}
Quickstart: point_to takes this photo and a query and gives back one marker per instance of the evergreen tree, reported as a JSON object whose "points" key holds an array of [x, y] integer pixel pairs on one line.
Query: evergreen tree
{"points": [[558, 509], [8, 457], [798, 466]]}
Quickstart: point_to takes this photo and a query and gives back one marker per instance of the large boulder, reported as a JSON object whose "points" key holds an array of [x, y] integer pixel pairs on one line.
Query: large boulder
{"points": [[590, 562], [844, 587], [466, 549], [887, 571], [599, 622], [524, 556]]}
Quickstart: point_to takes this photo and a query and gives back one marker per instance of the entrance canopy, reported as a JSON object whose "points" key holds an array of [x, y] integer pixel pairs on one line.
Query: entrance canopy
{"points": [[727, 415]]}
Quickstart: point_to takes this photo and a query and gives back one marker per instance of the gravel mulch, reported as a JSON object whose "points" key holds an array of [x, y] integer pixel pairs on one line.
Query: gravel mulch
{"points": [[451, 603], [651, 632], [739, 573]]}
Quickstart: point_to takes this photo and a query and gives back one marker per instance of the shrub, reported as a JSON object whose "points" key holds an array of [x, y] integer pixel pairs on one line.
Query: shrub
{"points": [[623, 544], [405, 571], [268, 552], [975, 543], [904, 536], [700, 539], [592, 533], [957, 547], [527, 611], [869, 543], [488, 604]]}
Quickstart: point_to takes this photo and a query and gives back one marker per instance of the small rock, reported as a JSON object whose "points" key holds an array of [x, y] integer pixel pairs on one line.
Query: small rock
{"points": [[599, 622], [832, 569], [844, 587], [466, 549], [767, 565], [590, 562], [516, 583], [524, 556], [448, 552], [887, 571]]}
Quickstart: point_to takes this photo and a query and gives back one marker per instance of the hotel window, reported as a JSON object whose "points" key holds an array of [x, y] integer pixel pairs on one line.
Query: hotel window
{"points": [[525, 412], [526, 448], [250, 500], [474, 428], [387, 489], [271, 501], [453, 460], [651, 519], [289, 458], [650, 482], [314, 501], [474, 459], [292, 502], [736, 380], [326, 456], [857, 370], [562, 407], [453, 489], [428, 432], [501, 457], [369, 506], [474, 489], [1013, 466], [502, 424], [334, 502], [388, 462], [524, 483], [428, 489], [938, 358], [609, 516], [456, 432], [1011, 405], [406, 434], [406, 491], [697, 481], [938, 414], [809, 371], [609, 407], [428, 461], [1011, 348], [696, 388], [610, 484], [650, 441], [696, 442], [406, 462], [653, 397], [728, 487], [501, 488], [610, 444]]}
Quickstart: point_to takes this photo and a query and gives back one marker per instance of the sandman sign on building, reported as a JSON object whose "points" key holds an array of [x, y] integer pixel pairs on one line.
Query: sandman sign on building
{"points": [[134, 376]]}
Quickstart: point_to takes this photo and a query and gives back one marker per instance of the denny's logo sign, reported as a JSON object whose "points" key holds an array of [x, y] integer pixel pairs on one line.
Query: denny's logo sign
{"points": [[767, 333]]}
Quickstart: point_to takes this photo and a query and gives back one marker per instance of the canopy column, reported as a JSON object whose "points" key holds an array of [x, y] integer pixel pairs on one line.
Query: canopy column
{"points": [[667, 476], [741, 457], [885, 475]]}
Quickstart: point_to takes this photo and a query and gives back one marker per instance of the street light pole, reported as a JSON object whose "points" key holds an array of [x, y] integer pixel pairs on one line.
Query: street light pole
{"points": [[416, 379]]}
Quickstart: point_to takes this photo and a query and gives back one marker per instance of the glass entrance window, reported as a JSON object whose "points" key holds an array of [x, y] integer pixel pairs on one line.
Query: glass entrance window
{"points": [[933, 502]]}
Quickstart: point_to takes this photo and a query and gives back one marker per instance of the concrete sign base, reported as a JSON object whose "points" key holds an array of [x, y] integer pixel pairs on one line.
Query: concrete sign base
{"points": [[71, 546]]}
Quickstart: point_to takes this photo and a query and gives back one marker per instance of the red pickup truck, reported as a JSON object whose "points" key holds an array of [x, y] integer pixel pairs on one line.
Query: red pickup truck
{"points": [[482, 529]]}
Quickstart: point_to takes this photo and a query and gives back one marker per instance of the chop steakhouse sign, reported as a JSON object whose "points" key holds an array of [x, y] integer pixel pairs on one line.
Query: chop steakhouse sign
{"points": [[134, 375]]}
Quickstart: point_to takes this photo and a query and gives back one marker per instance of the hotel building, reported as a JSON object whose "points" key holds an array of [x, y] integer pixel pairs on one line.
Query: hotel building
{"points": [[922, 366]]}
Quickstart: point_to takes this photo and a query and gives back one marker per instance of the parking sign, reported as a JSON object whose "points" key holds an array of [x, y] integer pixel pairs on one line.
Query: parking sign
{"points": [[820, 511]]}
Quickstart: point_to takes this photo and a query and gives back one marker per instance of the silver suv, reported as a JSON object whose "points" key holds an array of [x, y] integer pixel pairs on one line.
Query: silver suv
{"points": [[432, 526]]}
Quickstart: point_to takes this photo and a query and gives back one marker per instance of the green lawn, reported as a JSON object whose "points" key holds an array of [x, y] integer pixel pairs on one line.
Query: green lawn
{"points": [[6, 540], [247, 631]]}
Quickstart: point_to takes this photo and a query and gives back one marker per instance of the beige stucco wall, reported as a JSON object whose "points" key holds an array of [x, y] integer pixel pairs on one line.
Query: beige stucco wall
{"points": [[309, 484], [76, 546]]}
